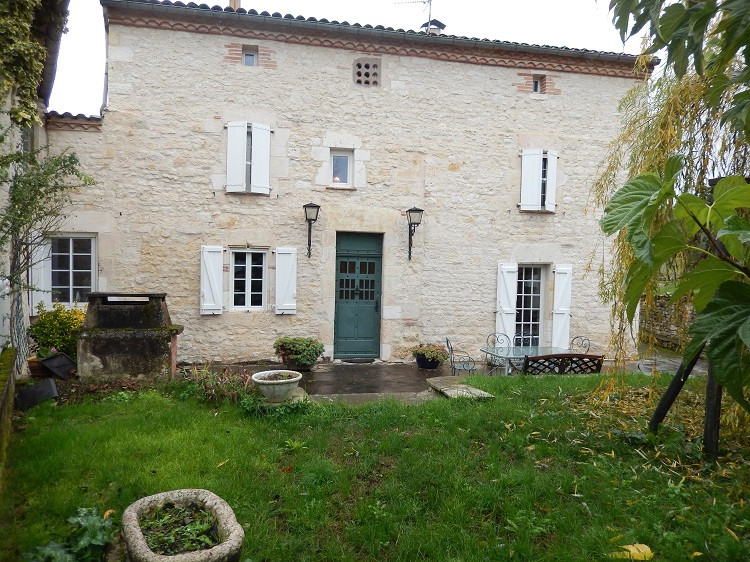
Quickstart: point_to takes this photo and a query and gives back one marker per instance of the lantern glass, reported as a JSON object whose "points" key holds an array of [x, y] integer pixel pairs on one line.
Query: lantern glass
{"points": [[414, 215], [311, 212]]}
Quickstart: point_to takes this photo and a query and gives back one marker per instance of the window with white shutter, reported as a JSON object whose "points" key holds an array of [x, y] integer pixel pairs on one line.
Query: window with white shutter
{"points": [[248, 157], [538, 179], [212, 267], [563, 274], [286, 280]]}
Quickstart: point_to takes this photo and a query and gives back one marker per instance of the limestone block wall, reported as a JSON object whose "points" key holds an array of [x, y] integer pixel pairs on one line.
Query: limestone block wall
{"points": [[442, 136]]}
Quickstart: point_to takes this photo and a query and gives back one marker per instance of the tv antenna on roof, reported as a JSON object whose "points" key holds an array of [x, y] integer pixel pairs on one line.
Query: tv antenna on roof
{"points": [[429, 9]]}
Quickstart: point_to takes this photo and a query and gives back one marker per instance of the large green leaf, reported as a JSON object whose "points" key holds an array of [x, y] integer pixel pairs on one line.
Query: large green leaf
{"points": [[704, 280], [730, 194], [634, 205], [725, 325], [668, 242], [736, 226], [673, 18]]}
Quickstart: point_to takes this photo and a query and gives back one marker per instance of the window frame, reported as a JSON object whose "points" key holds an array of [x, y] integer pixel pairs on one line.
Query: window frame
{"points": [[230, 292], [40, 273], [349, 154], [541, 336]]}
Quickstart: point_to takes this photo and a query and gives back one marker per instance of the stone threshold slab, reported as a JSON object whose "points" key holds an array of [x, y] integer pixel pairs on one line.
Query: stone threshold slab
{"points": [[451, 388]]}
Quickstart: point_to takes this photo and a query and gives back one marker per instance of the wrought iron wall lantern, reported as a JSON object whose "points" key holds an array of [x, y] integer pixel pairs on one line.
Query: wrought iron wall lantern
{"points": [[414, 216], [311, 215]]}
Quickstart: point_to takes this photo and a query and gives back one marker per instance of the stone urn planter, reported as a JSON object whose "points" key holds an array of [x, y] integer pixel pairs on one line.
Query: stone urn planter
{"points": [[231, 533], [276, 385]]}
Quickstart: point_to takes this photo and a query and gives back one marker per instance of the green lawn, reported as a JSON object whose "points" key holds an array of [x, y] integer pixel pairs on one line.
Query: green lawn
{"points": [[550, 470]]}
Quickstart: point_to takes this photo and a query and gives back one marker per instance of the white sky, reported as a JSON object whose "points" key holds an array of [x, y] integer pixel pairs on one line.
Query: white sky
{"points": [[583, 24]]}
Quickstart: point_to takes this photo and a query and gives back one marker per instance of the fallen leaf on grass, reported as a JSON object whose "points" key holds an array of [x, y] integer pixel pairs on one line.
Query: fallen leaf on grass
{"points": [[222, 463], [108, 513], [695, 555], [286, 469], [634, 552], [734, 536], [615, 539]]}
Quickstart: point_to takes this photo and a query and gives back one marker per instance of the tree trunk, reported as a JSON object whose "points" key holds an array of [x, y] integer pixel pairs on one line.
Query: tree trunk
{"points": [[674, 388], [713, 415]]}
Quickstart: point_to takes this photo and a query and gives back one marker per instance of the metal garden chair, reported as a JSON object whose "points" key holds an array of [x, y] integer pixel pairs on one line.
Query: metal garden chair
{"points": [[459, 360], [580, 344], [500, 341]]}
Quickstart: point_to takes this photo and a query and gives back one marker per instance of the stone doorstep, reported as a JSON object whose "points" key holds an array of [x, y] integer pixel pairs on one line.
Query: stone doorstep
{"points": [[451, 388]]}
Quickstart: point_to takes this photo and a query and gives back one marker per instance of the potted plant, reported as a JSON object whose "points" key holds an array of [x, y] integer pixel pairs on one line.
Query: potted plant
{"points": [[429, 355], [276, 385], [222, 541], [298, 354]]}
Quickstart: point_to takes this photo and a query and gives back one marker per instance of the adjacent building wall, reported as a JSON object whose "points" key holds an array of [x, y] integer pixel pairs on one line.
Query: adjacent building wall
{"points": [[443, 136]]}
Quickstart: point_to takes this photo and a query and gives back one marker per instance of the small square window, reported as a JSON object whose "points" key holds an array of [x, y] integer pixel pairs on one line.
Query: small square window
{"points": [[538, 84], [341, 168], [249, 55]]}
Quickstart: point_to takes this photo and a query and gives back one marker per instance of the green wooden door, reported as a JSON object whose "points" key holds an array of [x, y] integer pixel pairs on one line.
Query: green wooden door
{"points": [[358, 276]]}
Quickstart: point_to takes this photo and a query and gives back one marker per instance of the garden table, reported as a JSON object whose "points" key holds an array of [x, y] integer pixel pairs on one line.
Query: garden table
{"points": [[518, 352]]}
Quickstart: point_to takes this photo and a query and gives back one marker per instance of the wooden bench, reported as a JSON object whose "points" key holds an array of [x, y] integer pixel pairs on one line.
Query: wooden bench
{"points": [[562, 364]]}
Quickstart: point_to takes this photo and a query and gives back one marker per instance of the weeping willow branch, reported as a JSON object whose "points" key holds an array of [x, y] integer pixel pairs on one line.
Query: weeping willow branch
{"points": [[662, 117]]}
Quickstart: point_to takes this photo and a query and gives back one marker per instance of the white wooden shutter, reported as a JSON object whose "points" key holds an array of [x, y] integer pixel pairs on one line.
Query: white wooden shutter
{"points": [[561, 308], [549, 201], [507, 280], [531, 179], [212, 267], [236, 155], [41, 276], [286, 280], [260, 179]]}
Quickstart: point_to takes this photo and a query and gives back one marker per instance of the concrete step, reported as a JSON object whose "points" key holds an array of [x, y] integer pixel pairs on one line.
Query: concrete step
{"points": [[451, 388]]}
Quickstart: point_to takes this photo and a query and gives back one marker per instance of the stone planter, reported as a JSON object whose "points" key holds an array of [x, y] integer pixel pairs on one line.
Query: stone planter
{"points": [[231, 533], [276, 390]]}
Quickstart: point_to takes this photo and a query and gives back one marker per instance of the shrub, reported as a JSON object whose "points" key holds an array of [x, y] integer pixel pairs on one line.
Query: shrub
{"points": [[217, 387], [86, 541], [302, 351], [431, 352], [58, 328]]}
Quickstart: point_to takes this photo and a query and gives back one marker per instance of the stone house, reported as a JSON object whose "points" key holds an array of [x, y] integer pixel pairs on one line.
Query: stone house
{"points": [[220, 125]]}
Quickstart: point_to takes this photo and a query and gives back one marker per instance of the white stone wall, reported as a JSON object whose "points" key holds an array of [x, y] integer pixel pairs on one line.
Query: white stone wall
{"points": [[443, 136]]}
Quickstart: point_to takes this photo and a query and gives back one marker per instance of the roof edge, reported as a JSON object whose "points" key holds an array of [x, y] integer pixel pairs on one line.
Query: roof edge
{"points": [[380, 32]]}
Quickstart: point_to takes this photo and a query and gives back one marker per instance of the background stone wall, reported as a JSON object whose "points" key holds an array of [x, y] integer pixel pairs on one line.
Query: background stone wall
{"points": [[443, 136]]}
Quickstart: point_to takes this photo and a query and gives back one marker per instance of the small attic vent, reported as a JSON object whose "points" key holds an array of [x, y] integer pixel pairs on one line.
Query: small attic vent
{"points": [[367, 72]]}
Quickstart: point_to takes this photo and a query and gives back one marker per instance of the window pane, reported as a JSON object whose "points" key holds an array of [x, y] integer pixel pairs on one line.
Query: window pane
{"points": [[81, 245], [240, 258], [352, 267], [257, 272], [257, 258], [256, 300], [239, 300], [340, 169], [256, 285], [342, 267], [60, 295], [61, 245], [80, 262], [61, 261], [371, 268], [239, 286], [249, 59], [239, 271], [60, 279], [82, 278], [80, 294]]}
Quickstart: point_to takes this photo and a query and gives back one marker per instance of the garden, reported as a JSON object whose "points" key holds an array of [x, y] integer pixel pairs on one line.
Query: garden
{"points": [[555, 468]]}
